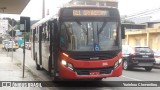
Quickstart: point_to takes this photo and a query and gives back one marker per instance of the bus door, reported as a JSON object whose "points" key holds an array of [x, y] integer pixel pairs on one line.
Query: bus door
{"points": [[53, 46], [40, 45], [36, 53], [33, 43], [45, 45]]}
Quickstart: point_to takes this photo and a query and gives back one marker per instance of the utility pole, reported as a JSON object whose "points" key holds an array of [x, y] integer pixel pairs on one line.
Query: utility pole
{"points": [[43, 9]]}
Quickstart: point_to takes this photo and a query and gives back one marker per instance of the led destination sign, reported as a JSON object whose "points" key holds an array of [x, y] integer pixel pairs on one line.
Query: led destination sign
{"points": [[90, 13]]}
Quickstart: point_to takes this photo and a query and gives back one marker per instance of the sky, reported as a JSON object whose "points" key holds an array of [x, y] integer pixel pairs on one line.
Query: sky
{"points": [[126, 7], [129, 7]]}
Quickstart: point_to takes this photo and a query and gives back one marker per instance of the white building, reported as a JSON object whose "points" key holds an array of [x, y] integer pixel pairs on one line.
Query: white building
{"points": [[111, 3]]}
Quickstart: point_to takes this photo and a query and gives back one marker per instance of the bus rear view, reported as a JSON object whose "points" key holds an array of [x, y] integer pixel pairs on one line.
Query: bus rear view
{"points": [[89, 43]]}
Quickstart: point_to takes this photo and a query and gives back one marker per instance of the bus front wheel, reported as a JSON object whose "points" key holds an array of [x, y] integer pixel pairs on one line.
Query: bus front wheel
{"points": [[50, 66]]}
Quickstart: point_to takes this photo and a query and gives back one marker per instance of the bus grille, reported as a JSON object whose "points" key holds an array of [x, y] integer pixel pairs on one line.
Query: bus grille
{"points": [[85, 71], [89, 55]]}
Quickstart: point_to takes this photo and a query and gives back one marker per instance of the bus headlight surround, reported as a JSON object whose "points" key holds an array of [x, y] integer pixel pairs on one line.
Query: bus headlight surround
{"points": [[117, 63], [66, 64], [120, 60], [70, 66]]}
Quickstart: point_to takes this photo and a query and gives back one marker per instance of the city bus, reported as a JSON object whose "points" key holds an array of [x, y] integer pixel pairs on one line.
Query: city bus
{"points": [[79, 43]]}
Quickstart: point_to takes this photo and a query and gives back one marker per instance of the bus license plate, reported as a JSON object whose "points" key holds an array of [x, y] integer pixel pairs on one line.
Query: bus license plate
{"points": [[94, 72], [145, 56]]}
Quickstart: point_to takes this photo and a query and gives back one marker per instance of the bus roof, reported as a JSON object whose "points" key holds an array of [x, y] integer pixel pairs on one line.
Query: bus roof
{"points": [[89, 6], [41, 21]]}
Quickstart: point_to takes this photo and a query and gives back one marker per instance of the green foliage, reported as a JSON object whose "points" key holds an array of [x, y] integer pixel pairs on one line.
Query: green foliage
{"points": [[27, 37]]}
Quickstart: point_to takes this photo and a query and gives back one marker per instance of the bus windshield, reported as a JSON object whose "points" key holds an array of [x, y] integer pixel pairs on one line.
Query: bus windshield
{"points": [[89, 36]]}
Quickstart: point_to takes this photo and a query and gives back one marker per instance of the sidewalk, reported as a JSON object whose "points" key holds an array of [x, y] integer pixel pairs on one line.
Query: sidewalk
{"points": [[11, 70]]}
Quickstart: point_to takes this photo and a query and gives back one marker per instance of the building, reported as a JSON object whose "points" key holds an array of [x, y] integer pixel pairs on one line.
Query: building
{"points": [[147, 34], [111, 3]]}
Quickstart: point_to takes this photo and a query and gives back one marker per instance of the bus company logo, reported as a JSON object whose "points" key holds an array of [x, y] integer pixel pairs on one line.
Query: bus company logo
{"points": [[94, 58], [6, 84], [105, 64]]}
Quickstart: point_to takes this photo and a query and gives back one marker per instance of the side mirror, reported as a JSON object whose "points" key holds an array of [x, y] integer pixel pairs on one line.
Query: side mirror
{"points": [[122, 31]]}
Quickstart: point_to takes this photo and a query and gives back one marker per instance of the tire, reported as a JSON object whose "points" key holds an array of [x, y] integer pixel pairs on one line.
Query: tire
{"points": [[8, 50], [126, 65], [37, 65], [50, 66], [55, 78], [148, 68]]}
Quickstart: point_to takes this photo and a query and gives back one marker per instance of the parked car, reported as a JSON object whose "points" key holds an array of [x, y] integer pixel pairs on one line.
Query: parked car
{"points": [[9, 46], [157, 59], [4, 42], [27, 45], [137, 57]]}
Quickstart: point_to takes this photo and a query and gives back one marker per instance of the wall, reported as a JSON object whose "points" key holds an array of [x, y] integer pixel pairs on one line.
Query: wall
{"points": [[140, 38]]}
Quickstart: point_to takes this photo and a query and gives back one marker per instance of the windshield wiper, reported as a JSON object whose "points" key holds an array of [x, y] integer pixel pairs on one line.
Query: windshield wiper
{"points": [[80, 25], [101, 29]]}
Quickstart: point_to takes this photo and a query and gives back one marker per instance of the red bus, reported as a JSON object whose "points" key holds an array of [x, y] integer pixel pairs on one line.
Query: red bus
{"points": [[79, 43]]}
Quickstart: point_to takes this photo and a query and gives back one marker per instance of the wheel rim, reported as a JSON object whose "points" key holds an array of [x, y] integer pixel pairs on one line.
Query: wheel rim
{"points": [[125, 65]]}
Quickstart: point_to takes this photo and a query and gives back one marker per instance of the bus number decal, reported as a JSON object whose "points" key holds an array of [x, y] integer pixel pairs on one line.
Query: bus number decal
{"points": [[90, 13], [76, 13]]}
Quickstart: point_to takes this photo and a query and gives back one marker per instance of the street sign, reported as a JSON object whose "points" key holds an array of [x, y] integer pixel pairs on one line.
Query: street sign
{"points": [[3, 26], [25, 24], [24, 27]]}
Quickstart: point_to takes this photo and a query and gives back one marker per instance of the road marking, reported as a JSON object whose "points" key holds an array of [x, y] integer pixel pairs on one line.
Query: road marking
{"points": [[131, 78]]}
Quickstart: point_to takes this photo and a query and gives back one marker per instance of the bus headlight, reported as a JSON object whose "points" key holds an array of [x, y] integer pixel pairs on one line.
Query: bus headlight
{"points": [[63, 62], [68, 65], [117, 63], [120, 60]]}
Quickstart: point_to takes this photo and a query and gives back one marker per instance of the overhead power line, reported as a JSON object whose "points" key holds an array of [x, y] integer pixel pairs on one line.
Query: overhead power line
{"points": [[146, 12]]}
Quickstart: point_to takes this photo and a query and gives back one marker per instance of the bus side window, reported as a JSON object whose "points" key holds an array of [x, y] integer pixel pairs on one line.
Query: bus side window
{"points": [[43, 34], [48, 34], [36, 35], [63, 37]]}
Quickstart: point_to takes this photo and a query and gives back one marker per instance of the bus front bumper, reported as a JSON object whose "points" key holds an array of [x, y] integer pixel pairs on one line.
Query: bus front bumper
{"points": [[66, 73]]}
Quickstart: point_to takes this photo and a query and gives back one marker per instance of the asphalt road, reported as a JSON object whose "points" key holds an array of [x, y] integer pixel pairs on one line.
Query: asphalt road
{"points": [[137, 74]]}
